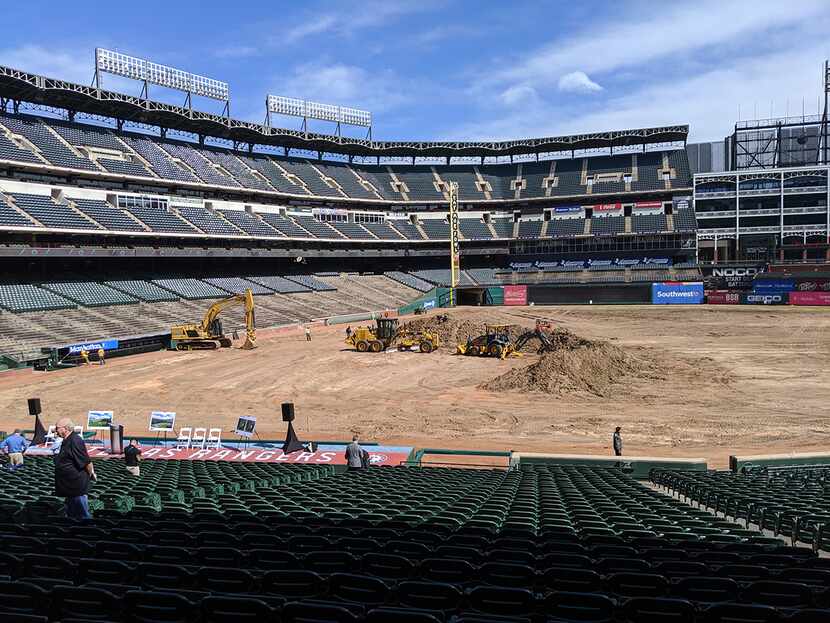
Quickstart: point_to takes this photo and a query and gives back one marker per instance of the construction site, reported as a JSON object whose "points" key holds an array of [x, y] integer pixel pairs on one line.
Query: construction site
{"points": [[668, 377]]}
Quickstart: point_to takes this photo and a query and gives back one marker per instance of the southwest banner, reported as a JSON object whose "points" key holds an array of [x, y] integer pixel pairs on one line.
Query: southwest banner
{"points": [[676, 293]]}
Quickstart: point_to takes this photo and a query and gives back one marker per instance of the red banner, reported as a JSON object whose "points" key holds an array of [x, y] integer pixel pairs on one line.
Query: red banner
{"points": [[607, 207], [809, 298], [812, 285], [723, 297], [515, 295], [325, 455]]}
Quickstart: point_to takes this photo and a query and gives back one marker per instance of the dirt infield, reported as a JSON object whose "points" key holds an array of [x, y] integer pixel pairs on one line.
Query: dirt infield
{"points": [[681, 381]]}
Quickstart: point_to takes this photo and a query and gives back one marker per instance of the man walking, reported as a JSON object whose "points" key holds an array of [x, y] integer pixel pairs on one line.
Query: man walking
{"points": [[617, 442], [354, 454], [73, 471], [15, 445], [132, 455]]}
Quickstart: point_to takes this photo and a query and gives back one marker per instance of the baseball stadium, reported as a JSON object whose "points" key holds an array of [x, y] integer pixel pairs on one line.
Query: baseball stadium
{"points": [[571, 378]]}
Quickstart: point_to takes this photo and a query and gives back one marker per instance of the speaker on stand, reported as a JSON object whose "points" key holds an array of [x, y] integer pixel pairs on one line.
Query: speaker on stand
{"points": [[292, 443]]}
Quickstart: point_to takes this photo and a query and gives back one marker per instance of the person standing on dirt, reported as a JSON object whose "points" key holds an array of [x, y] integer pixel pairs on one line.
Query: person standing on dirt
{"points": [[616, 440], [101, 357], [348, 332], [307, 334]]}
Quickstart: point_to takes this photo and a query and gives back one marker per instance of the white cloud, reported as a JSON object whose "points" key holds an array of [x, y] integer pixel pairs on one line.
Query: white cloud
{"points": [[578, 82], [351, 18], [707, 101], [71, 65], [649, 37], [344, 85], [519, 95]]}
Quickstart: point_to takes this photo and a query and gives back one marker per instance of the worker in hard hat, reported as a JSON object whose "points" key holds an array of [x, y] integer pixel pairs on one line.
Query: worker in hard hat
{"points": [[101, 360], [85, 356]]}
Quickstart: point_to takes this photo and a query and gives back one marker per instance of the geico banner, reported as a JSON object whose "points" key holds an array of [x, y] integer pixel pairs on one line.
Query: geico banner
{"points": [[809, 298], [722, 297], [765, 286], [771, 298], [676, 293]]}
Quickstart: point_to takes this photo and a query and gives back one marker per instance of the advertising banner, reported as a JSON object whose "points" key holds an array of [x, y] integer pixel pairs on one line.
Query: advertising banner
{"points": [[763, 286], [731, 277], [254, 453], [676, 293], [606, 207], [722, 297], [648, 207], [770, 298], [812, 285], [91, 347], [567, 209], [515, 295], [809, 298]]}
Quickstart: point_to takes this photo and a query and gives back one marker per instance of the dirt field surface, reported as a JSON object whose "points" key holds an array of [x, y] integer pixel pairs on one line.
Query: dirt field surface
{"points": [[681, 381]]}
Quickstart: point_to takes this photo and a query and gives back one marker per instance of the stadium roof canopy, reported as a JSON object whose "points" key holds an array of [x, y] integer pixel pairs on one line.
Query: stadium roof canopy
{"points": [[23, 86]]}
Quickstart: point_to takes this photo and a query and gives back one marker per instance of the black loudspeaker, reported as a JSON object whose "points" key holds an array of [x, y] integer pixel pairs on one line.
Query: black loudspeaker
{"points": [[34, 406], [288, 412]]}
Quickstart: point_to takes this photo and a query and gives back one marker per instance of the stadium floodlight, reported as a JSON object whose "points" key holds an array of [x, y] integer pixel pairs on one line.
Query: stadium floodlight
{"points": [[118, 64], [294, 107]]}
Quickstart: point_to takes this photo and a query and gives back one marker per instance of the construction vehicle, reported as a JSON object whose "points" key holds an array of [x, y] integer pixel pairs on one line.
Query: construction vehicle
{"points": [[208, 335], [386, 333], [494, 342]]}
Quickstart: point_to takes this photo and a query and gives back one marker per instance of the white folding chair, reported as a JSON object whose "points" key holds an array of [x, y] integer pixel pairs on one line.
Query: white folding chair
{"points": [[198, 438], [51, 437], [214, 438], [183, 440]]}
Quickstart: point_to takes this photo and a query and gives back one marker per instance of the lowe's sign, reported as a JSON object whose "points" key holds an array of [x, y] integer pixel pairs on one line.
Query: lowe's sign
{"points": [[93, 346], [676, 293]]}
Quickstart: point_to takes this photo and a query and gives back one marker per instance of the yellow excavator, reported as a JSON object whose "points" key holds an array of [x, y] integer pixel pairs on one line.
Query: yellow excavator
{"points": [[386, 333], [208, 334]]}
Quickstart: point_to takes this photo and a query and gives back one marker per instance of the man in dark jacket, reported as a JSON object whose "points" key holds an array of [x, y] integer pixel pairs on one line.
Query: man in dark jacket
{"points": [[73, 471], [617, 442]]}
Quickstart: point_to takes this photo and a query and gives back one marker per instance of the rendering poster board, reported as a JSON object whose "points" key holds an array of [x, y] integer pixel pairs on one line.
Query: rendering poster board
{"points": [[162, 421], [245, 426], [98, 420]]}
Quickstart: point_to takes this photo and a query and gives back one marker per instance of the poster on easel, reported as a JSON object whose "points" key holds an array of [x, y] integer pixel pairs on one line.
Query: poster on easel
{"points": [[98, 420], [245, 426], [162, 421]]}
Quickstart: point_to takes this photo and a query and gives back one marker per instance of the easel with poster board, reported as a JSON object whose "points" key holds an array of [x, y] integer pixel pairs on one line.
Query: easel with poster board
{"points": [[161, 423], [98, 420], [245, 429]]}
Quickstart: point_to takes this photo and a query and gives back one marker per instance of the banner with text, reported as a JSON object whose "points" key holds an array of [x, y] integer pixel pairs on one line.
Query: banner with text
{"points": [[91, 347], [676, 293], [722, 297], [770, 298], [809, 298], [515, 295]]}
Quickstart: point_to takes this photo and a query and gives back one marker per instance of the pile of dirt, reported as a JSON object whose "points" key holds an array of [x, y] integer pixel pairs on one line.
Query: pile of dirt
{"points": [[453, 330], [577, 365]]}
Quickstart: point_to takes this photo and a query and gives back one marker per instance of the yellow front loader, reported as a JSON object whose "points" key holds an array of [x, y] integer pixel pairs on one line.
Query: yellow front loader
{"points": [[208, 335]]}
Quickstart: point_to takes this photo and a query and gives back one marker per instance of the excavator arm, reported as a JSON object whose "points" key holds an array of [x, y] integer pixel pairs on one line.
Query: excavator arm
{"points": [[208, 333]]}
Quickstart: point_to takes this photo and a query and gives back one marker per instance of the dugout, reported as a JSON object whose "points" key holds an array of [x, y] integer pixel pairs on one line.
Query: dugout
{"points": [[632, 294]]}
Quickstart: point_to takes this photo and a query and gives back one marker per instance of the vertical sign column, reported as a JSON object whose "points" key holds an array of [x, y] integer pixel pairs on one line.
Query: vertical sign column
{"points": [[455, 250]]}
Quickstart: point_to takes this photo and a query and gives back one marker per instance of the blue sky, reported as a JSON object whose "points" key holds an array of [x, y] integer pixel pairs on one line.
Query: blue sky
{"points": [[440, 70]]}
